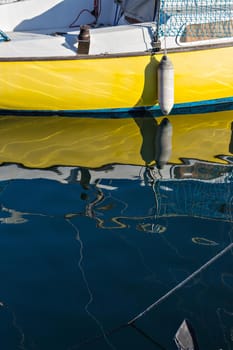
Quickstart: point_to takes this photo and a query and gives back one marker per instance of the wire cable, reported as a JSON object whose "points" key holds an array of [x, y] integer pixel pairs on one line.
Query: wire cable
{"points": [[131, 323], [181, 284]]}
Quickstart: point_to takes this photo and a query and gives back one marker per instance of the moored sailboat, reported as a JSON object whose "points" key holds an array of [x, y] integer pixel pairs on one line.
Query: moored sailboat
{"points": [[48, 66]]}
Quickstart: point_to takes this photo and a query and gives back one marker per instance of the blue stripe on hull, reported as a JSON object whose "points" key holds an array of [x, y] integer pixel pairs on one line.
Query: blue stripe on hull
{"points": [[200, 107]]}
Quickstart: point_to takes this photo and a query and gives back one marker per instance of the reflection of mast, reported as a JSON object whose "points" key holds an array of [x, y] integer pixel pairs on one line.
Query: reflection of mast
{"points": [[85, 183], [89, 211], [85, 178]]}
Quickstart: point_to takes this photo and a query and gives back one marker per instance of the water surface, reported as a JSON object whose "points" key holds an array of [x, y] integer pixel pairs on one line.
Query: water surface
{"points": [[88, 242]]}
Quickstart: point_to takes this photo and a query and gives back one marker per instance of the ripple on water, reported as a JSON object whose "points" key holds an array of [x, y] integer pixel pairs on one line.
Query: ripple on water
{"points": [[203, 241]]}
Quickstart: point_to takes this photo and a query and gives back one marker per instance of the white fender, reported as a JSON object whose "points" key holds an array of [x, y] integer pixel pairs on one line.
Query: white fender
{"points": [[163, 143], [166, 85]]}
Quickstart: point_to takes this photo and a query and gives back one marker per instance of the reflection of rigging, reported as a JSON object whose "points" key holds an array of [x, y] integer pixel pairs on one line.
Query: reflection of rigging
{"points": [[193, 188], [94, 208], [162, 145]]}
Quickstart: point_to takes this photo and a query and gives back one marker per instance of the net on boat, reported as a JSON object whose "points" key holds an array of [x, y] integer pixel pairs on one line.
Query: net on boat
{"points": [[193, 20]]}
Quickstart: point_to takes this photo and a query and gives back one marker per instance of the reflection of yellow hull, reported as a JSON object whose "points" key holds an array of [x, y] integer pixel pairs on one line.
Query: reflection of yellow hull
{"points": [[44, 141], [123, 82]]}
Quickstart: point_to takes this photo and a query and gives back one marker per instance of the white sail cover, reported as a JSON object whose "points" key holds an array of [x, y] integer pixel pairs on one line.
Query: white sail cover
{"points": [[142, 10]]}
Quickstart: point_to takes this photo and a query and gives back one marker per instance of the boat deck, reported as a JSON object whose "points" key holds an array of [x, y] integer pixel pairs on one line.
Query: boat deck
{"points": [[23, 44], [64, 42]]}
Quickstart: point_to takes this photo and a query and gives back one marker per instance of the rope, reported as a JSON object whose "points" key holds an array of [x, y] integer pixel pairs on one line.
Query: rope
{"points": [[145, 335], [95, 12], [181, 284], [156, 303]]}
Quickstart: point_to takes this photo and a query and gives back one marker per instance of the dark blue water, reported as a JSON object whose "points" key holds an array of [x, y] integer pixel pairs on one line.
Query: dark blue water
{"points": [[85, 250]]}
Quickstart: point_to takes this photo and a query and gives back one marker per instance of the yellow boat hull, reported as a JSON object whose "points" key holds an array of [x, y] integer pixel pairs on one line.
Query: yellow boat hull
{"points": [[203, 79]]}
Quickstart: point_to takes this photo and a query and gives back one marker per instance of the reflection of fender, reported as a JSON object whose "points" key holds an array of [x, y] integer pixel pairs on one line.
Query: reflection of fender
{"points": [[231, 140], [163, 143]]}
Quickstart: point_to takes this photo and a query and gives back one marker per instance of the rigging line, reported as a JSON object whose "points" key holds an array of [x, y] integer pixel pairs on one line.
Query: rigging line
{"points": [[73, 25], [156, 303], [145, 335], [100, 336], [118, 14], [16, 326], [160, 174], [78, 238], [113, 331], [164, 30], [157, 198], [181, 284], [95, 12]]}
